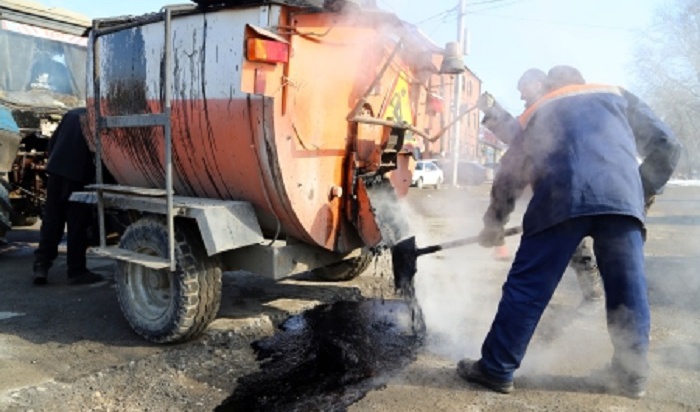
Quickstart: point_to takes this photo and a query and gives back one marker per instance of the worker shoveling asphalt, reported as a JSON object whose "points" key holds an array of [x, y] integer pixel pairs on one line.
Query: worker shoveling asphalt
{"points": [[404, 257]]}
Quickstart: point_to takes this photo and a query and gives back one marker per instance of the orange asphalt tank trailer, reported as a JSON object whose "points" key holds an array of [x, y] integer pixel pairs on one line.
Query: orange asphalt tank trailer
{"points": [[269, 137]]}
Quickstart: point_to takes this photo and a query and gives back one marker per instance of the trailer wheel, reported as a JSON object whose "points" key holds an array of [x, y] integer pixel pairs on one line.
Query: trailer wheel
{"points": [[164, 306], [20, 220], [5, 209], [347, 269]]}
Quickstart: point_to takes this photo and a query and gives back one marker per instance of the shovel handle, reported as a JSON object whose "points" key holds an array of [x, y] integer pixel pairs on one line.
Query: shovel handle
{"points": [[462, 242]]}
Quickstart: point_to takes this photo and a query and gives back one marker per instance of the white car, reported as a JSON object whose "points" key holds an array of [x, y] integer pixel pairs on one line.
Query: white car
{"points": [[427, 173]]}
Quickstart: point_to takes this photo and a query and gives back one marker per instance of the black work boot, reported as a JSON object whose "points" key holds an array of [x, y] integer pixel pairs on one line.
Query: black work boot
{"points": [[626, 383], [635, 388], [84, 277], [470, 371], [41, 274]]}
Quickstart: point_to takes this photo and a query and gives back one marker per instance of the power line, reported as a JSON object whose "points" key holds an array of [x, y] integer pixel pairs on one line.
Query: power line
{"points": [[478, 3], [560, 23], [452, 14], [441, 14], [495, 4], [452, 19], [388, 6]]}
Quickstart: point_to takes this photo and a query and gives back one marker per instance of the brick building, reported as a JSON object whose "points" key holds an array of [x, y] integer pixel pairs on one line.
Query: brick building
{"points": [[438, 113], [476, 143]]}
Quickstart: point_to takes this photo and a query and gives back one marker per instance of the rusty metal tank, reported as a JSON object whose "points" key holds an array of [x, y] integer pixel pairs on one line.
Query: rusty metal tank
{"points": [[297, 110]]}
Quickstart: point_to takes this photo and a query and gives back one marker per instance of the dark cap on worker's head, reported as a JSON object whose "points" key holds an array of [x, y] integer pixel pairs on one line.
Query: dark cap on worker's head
{"points": [[532, 76], [564, 75]]}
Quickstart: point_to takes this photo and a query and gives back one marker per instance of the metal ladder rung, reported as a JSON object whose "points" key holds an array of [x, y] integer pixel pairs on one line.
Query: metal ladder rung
{"points": [[128, 190], [134, 120], [125, 255], [137, 120]]}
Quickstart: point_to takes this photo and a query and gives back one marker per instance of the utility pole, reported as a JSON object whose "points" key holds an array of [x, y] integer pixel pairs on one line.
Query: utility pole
{"points": [[461, 22]]}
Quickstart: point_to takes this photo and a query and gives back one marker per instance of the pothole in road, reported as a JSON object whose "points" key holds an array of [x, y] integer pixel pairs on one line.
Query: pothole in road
{"points": [[328, 357]]}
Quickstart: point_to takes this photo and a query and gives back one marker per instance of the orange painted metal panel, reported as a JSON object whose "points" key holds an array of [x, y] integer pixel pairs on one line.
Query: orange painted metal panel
{"points": [[281, 139]]}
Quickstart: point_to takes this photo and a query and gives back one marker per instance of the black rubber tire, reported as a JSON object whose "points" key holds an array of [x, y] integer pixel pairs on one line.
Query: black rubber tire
{"points": [[164, 306], [5, 209], [345, 270], [5, 184], [5, 203], [20, 220]]}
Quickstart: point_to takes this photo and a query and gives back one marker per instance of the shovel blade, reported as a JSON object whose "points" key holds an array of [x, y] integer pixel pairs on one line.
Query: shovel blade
{"points": [[403, 260]]}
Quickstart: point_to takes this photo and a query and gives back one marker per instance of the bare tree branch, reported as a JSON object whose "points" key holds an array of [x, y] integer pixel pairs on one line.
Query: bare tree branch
{"points": [[667, 69]]}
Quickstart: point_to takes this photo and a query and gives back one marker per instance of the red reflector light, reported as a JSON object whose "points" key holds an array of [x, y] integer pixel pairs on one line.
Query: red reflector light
{"points": [[267, 51]]}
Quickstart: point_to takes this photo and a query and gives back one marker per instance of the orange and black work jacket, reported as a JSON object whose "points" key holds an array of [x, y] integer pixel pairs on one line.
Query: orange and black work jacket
{"points": [[578, 148]]}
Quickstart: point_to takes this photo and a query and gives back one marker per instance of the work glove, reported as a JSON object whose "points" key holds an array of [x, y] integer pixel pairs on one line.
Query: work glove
{"points": [[485, 101], [492, 236]]}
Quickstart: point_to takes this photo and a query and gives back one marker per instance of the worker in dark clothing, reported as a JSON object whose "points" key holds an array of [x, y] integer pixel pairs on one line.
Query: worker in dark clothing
{"points": [[578, 150], [70, 167], [10, 140], [563, 75], [534, 84]]}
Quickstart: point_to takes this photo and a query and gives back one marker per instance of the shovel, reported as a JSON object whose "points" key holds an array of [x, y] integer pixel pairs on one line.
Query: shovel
{"points": [[405, 254]]}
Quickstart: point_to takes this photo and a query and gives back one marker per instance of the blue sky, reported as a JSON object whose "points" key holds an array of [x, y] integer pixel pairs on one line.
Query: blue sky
{"points": [[506, 36], [509, 36]]}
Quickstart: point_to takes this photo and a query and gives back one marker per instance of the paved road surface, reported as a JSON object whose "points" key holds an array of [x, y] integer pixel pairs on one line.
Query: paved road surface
{"points": [[69, 348]]}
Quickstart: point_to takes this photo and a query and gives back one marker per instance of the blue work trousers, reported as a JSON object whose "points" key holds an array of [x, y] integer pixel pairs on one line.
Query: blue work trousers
{"points": [[537, 269]]}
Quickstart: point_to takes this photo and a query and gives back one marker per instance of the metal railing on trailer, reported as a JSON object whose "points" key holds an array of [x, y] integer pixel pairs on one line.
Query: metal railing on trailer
{"points": [[168, 281], [128, 121]]}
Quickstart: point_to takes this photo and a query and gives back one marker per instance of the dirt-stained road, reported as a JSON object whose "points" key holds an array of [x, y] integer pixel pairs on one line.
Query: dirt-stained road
{"points": [[562, 370], [69, 348]]}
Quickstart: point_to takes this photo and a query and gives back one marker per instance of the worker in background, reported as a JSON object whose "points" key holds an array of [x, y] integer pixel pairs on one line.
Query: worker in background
{"points": [[563, 75], [70, 167], [578, 150], [10, 140], [533, 84]]}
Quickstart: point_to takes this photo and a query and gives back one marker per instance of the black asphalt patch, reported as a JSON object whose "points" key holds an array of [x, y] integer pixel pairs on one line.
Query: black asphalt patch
{"points": [[329, 357]]}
